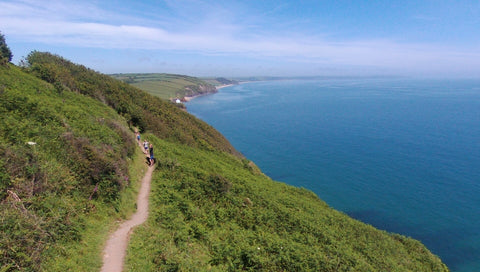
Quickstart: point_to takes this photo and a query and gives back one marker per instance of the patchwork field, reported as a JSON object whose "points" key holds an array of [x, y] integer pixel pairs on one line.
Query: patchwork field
{"points": [[167, 86]]}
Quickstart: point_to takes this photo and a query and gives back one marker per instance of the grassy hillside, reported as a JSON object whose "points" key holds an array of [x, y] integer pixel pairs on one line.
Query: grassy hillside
{"points": [[219, 81], [167, 86], [217, 212], [211, 209], [147, 112], [47, 188]]}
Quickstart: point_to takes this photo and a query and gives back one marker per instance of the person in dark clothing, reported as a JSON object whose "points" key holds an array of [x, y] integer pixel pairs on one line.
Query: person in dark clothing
{"points": [[152, 158]]}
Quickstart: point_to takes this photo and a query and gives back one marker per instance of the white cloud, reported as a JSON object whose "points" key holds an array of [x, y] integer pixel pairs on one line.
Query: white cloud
{"points": [[74, 26]]}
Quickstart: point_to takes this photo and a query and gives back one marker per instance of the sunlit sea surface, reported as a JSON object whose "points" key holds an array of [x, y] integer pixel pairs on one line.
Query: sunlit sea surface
{"points": [[400, 154]]}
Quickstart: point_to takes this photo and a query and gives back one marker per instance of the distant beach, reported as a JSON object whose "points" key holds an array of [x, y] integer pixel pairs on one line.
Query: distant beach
{"points": [[189, 98], [223, 86]]}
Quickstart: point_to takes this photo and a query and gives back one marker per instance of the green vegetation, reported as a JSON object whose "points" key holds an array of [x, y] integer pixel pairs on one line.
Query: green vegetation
{"points": [[219, 81], [167, 86], [55, 149], [69, 168], [79, 125], [140, 109], [5, 53], [214, 211]]}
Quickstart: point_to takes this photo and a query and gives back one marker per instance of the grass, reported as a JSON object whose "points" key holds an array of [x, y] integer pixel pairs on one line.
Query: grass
{"points": [[212, 211], [167, 86], [86, 254], [48, 221]]}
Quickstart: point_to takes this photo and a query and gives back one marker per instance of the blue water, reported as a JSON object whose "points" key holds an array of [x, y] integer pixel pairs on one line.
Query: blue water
{"points": [[400, 154]]}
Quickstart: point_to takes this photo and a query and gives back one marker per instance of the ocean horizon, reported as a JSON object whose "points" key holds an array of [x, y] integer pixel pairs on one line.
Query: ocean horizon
{"points": [[400, 154]]}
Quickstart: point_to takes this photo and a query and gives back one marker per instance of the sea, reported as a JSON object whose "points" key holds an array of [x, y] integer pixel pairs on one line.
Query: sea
{"points": [[401, 154]]}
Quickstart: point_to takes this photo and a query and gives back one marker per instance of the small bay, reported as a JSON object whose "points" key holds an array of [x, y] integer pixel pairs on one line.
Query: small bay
{"points": [[400, 154]]}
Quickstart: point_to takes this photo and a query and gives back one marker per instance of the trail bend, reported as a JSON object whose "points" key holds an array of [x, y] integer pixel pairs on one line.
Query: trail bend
{"points": [[116, 246]]}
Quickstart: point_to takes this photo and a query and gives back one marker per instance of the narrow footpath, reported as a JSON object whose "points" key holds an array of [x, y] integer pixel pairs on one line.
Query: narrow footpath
{"points": [[116, 247]]}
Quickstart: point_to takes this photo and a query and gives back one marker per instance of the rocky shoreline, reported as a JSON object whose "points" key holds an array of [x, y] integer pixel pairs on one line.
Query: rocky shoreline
{"points": [[189, 98]]}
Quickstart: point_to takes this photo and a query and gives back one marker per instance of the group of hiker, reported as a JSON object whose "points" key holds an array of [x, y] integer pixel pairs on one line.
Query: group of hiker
{"points": [[147, 149]]}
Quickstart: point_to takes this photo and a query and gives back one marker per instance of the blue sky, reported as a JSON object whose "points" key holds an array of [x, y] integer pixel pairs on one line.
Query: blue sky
{"points": [[248, 38]]}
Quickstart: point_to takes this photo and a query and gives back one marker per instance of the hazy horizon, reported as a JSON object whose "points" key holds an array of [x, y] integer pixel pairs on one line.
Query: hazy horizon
{"points": [[266, 38]]}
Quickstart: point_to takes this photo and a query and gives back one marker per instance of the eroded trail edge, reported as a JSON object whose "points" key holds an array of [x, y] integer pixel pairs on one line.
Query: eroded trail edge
{"points": [[116, 247]]}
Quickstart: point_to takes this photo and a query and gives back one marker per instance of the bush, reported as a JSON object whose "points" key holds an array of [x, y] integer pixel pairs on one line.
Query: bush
{"points": [[141, 110], [47, 188], [214, 209], [5, 53]]}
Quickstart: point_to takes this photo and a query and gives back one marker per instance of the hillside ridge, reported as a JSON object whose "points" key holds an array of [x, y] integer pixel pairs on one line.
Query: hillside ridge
{"points": [[168, 86]]}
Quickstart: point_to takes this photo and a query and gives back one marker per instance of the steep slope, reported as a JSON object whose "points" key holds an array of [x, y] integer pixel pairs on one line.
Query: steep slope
{"points": [[212, 209], [141, 110], [216, 212], [63, 162]]}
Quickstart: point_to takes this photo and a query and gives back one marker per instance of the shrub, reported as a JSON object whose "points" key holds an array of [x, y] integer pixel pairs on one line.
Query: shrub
{"points": [[5, 53]]}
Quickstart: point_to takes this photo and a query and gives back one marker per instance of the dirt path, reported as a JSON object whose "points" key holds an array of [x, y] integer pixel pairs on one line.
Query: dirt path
{"points": [[116, 247]]}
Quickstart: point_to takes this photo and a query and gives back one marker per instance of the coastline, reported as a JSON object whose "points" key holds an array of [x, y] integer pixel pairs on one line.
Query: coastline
{"points": [[224, 86], [189, 98]]}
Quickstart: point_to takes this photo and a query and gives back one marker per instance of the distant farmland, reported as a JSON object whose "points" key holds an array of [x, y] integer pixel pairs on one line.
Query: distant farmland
{"points": [[168, 86]]}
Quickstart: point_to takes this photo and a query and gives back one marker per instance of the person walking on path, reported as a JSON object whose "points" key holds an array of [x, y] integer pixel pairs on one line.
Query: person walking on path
{"points": [[152, 158], [138, 136], [145, 146]]}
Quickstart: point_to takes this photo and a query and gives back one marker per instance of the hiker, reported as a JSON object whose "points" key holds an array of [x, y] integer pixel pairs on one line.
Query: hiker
{"points": [[152, 158], [145, 146], [138, 136]]}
